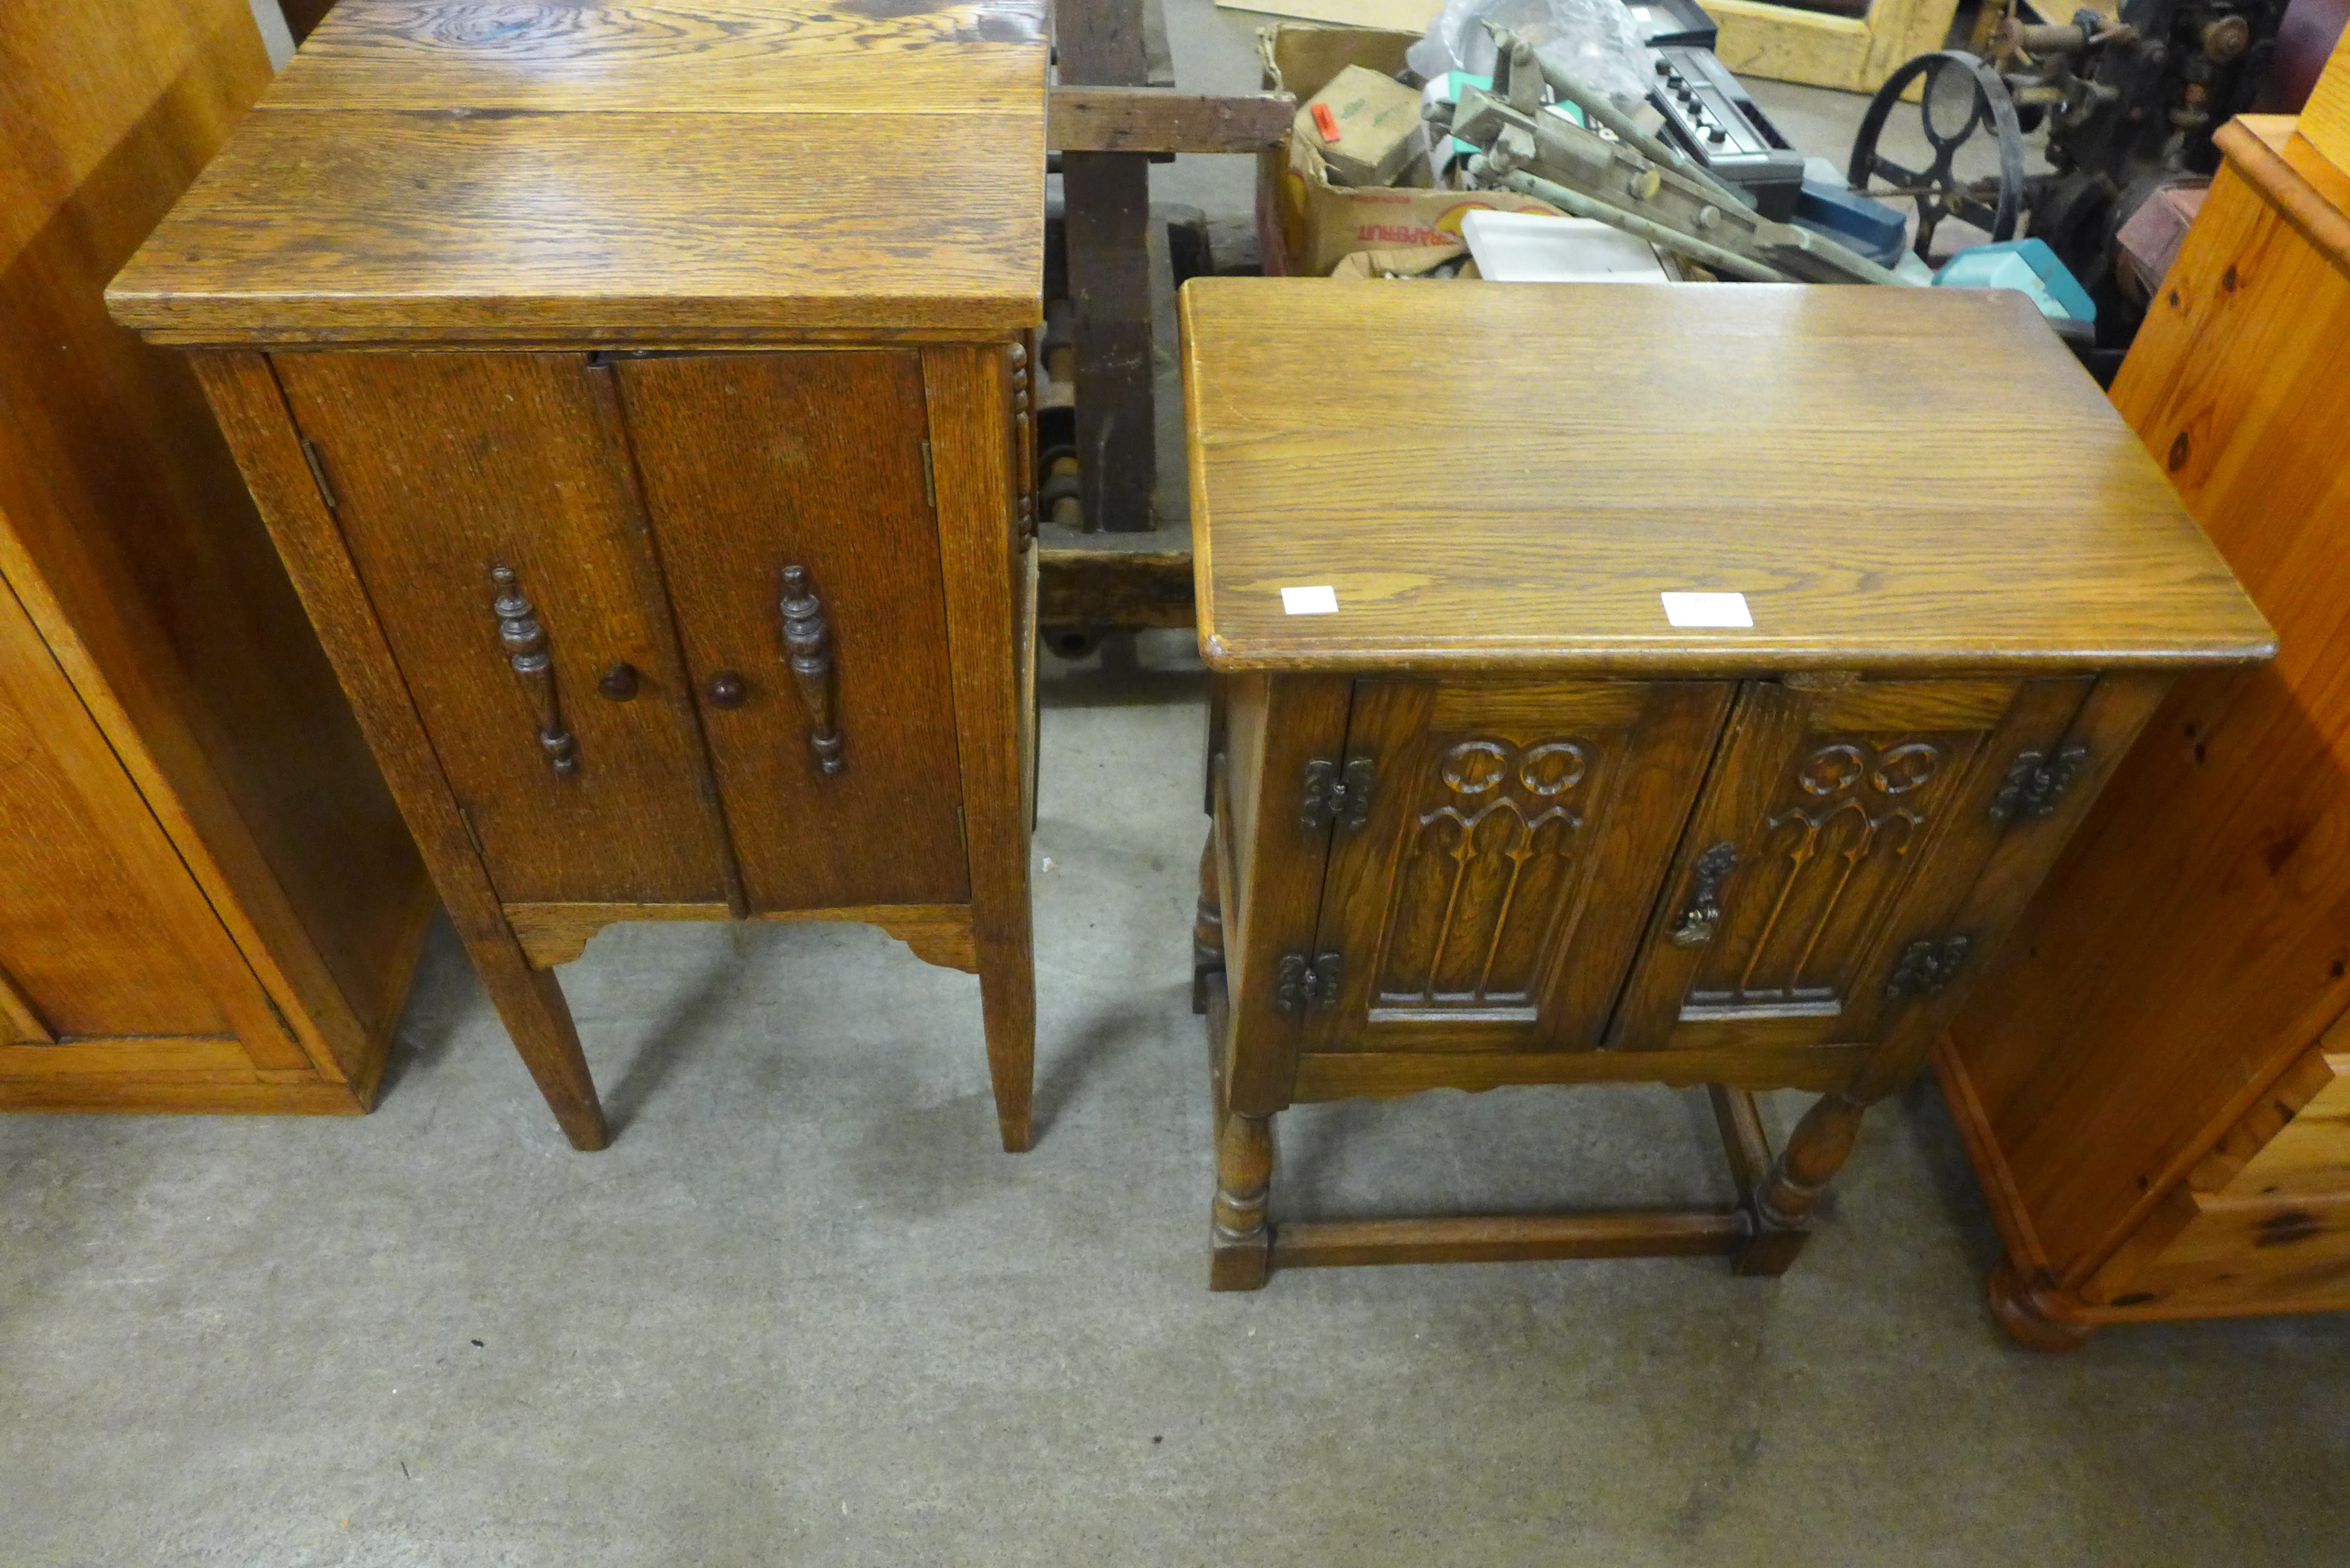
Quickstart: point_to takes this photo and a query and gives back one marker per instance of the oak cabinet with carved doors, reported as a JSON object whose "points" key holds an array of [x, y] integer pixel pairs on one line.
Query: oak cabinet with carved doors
{"points": [[670, 536], [1501, 818]]}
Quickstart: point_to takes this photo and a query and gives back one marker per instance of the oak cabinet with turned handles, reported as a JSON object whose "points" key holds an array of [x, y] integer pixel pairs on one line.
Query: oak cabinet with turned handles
{"points": [[669, 538]]}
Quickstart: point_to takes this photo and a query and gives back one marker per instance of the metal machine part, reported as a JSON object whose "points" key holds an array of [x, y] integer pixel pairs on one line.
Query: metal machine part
{"points": [[2129, 103], [1717, 122], [1630, 180], [1962, 95]]}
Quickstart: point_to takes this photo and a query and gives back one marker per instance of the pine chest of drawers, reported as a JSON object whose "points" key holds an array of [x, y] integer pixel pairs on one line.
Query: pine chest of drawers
{"points": [[639, 399], [1494, 805]]}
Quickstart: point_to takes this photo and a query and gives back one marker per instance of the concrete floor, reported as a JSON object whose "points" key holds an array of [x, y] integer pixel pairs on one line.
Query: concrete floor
{"points": [[803, 1312]]}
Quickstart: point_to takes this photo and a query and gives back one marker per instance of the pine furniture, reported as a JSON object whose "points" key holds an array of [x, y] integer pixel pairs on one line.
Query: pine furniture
{"points": [[2154, 1082], [639, 399], [210, 903], [1497, 820]]}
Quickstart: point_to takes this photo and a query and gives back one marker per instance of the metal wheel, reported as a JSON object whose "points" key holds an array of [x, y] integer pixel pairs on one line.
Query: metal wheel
{"points": [[1962, 95]]}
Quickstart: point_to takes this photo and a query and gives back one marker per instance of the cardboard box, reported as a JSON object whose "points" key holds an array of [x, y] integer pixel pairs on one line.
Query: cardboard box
{"points": [[1374, 127], [1305, 221]]}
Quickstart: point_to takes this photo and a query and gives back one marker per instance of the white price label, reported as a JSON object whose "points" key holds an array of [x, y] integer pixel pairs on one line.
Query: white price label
{"points": [[1319, 599], [1707, 609]]}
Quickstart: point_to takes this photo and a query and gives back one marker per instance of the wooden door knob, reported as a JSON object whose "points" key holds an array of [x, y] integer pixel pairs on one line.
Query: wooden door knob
{"points": [[726, 689]]}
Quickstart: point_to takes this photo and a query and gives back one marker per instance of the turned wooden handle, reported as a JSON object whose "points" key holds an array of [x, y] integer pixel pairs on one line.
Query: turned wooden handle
{"points": [[807, 641], [525, 641]]}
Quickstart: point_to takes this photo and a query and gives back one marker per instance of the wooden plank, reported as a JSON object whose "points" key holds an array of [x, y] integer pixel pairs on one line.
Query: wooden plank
{"points": [[187, 1057], [1081, 119], [132, 545], [1336, 1076], [973, 441], [1112, 587], [555, 934], [252, 411], [1346, 1243], [2325, 118], [1744, 1144], [733, 507], [413, 225], [1384, 15], [2104, 1082], [200, 1096], [1844, 563], [717, 59], [1106, 226]]}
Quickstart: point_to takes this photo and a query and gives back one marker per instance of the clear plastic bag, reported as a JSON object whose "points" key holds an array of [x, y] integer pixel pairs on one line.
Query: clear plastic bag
{"points": [[1593, 41]]}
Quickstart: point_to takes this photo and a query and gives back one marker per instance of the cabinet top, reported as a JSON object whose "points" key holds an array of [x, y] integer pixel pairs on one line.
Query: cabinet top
{"points": [[680, 170], [1513, 475]]}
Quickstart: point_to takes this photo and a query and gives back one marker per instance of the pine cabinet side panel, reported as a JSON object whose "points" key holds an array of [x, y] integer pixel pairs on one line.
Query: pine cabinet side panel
{"points": [[133, 545], [102, 932], [2190, 944]]}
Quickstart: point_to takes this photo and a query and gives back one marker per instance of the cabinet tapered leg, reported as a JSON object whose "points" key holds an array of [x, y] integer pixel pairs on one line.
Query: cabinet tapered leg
{"points": [[1780, 1206], [1007, 994], [532, 1006], [1207, 927]]}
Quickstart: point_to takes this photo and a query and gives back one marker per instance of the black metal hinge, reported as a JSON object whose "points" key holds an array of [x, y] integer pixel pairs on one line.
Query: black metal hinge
{"points": [[1927, 966], [1299, 984], [2035, 781], [1333, 796]]}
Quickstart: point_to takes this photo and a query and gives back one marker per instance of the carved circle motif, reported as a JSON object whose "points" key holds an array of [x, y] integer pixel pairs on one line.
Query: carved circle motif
{"points": [[1472, 767], [1551, 768], [1832, 770], [1907, 767]]}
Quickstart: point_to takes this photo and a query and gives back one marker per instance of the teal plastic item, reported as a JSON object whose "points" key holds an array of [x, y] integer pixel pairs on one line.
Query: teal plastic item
{"points": [[2025, 264]]}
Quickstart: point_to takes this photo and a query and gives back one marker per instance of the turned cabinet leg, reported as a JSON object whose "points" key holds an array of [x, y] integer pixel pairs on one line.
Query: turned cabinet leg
{"points": [[1007, 996], [2024, 1318], [1780, 1205], [1207, 927], [1240, 1245], [537, 1017]]}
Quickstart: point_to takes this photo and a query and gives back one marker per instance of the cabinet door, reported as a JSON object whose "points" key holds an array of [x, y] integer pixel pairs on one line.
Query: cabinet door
{"points": [[756, 463], [1492, 895], [110, 957], [443, 468], [1838, 831]]}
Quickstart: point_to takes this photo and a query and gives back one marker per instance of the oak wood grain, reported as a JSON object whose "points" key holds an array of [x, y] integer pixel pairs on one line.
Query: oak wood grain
{"points": [[1764, 440], [555, 934], [754, 463], [1504, 1238], [974, 440], [723, 56], [443, 467], [245, 395], [410, 224], [1515, 840], [1341, 1075]]}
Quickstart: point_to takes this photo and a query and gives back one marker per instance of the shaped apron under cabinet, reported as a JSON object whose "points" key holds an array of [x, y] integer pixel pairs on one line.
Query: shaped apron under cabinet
{"points": [[656, 479], [1498, 819]]}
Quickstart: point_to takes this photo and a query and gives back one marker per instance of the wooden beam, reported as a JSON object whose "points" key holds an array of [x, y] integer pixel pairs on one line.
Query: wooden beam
{"points": [[1155, 120], [1106, 202], [1348, 1243], [1111, 587]]}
